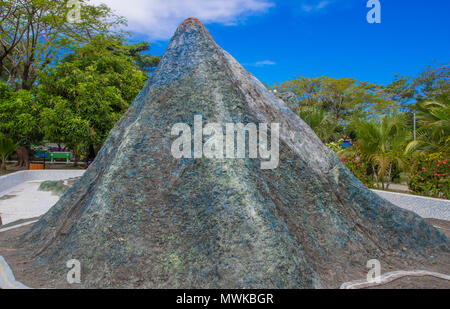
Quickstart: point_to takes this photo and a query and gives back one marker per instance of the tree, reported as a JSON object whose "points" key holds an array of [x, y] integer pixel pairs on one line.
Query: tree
{"points": [[397, 97], [326, 128], [343, 98], [434, 128], [306, 89], [432, 84], [19, 116], [7, 147], [382, 142], [35, 34], [62, 126], [87, 93], [145, 61]]}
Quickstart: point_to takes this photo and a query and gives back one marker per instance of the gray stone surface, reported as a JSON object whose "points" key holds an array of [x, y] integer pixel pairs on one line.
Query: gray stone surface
{"points": [[290, 99], [140, 217]]}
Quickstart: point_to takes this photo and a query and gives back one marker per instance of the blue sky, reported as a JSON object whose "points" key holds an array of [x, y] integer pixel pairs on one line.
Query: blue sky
{"points": [[278, 40]]}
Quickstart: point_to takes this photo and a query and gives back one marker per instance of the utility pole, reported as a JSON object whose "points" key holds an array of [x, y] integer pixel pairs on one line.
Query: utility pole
{"points": [[414, 126]]}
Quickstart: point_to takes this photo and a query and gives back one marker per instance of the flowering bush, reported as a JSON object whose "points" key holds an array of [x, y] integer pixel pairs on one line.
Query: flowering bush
{"points": [[431, 176], [359, 168]]}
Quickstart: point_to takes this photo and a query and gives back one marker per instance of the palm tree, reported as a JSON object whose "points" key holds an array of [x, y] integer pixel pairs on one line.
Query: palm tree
{"points": [[434, 128], [382, 143], [321, 123], [7, 147]]}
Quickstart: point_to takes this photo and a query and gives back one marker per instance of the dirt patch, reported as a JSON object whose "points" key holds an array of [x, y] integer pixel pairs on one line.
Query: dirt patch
{"points": [[18, 261], [21, 264], [7, 197], [442, 225]]}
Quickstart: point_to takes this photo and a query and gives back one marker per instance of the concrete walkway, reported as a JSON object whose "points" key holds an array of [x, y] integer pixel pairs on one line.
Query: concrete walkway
{"points": [[426, 207], [26, 202]]}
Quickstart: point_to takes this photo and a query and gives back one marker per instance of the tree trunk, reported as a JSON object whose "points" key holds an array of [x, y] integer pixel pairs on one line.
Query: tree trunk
{"points": [[92, 154], [376, 177], [3, 165], [389, 176], [22, 156]]}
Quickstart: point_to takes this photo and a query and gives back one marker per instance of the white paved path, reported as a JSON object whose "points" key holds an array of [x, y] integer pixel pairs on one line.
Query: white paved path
{"points": [[429, 208], [25, 202]]}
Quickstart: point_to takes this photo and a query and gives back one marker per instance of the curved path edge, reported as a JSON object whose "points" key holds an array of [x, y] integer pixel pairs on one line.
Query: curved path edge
{"points": [[7, 279], [392, 276]]}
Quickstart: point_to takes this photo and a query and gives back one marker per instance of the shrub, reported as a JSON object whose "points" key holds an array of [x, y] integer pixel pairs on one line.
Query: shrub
{"points": [[431, 175], [359, 168]]}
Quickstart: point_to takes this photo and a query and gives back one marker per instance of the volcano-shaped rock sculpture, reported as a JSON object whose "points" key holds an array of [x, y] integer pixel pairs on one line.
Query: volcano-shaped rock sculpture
{"points": [[140, 217]]}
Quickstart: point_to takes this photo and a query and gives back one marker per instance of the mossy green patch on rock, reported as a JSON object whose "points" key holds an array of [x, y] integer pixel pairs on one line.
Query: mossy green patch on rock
{"points": [[57, 187]]}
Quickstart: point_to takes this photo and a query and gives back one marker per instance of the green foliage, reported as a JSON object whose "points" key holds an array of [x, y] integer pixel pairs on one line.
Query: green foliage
{"points": [[355, 162], [87, 93], [36, 34], [343, 98], [382, 143], [145, 61], [325, 126], [19, 116], [336, 146], [7, 147], [431, 175], [433, 84], [394, 98], [434, 127]]}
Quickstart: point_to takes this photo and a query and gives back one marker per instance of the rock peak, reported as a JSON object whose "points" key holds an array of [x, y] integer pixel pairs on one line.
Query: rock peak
{"points": [[192, 23], [139, 214], [192, 20]]}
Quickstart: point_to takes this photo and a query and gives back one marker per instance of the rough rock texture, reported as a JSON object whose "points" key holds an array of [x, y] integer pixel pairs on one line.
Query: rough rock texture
{"points": [[290, 99], [139, 217]]}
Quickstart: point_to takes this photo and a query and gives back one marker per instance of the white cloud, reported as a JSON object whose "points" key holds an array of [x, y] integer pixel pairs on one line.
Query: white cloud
{"points": [[264, 63], [310, 7], [259, 64], [158, 19]]}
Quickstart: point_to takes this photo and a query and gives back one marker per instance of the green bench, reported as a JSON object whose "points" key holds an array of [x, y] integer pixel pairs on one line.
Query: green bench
{"points": [[60, 155]]}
